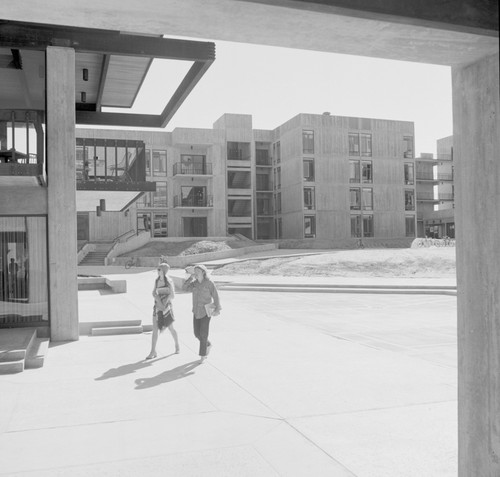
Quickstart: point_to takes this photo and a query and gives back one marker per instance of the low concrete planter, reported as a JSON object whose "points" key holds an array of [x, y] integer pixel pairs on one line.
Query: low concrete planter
{"points": [[96, 283], [184, 261]]}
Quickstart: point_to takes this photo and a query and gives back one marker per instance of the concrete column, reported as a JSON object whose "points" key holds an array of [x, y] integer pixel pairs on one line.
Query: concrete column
{"points": [[477, 156], [61, 179]]}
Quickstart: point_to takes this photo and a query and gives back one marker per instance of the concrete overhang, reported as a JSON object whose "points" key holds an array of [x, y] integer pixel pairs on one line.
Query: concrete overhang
{"points": [[87, 201], [110, 68], [444, 33]]}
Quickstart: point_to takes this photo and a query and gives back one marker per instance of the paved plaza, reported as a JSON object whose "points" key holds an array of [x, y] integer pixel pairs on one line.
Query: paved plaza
{"points": [[297, 384]]}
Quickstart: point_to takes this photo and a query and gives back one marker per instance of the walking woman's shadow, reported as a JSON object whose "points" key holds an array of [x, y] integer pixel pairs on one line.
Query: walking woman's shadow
{"points": [[166, 377], [129, 368]]}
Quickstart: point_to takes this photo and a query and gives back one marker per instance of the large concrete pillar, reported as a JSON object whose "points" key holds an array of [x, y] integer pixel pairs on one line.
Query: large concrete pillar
{"points": [[61, 178], [476, 140]]}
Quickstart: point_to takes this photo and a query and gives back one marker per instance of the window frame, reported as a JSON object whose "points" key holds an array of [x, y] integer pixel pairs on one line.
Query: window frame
{"points": [[365, 139], [307, 141], [406, 180], [162, 154], [354, 166], [311, 193], [409, 205], [357, 202], [370, 168], [312, 219], [309, 163]]}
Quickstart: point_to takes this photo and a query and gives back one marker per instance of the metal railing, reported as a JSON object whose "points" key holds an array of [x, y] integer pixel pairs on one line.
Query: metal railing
{"points": [[193, 169], [180, 201]]}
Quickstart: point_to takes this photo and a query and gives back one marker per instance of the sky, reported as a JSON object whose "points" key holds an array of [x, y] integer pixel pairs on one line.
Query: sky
{"points": [[273, 84]]}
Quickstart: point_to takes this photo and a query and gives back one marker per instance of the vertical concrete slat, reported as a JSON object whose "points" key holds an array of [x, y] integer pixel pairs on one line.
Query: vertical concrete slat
{"points": [[61, 179], [477, 157]]}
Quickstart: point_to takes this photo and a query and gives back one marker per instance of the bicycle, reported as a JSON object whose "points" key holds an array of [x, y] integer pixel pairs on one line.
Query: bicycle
{"points": [[131, 263]]}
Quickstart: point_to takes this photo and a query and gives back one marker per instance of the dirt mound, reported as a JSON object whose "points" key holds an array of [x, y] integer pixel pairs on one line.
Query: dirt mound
{"points": [[188, 247], [431, 262]]}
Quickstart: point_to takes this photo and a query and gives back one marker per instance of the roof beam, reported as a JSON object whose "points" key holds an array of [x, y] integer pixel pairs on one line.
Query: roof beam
{"points": [[182, 92], [118, 119], [102, 81], [35, 36]]}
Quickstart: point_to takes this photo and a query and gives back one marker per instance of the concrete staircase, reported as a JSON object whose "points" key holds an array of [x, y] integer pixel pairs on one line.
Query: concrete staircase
{"points": [[96, 258], [21, 349]]}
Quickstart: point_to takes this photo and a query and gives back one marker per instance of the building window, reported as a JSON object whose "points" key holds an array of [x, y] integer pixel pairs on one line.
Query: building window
{"points": [[355, 199], [148, 162], [279, 226], [160, 225], [238, 151], [366, 172], [194, 226], [194, 197], [408, 146], [277, 151], [366, 144], [264, 206], [367, 225], [354, 174], [367, 199], [143, 222], [308, 142], [410, 225], [278, 178], [277, 202], [409, 200], [160, 195], [355, 225], [309, 198], [308, 170], [353, 144], [146, 200], [160, 163], [262, 182], [262, 157], [309, 226], [409, 173], [24, 273], [193, 164]]}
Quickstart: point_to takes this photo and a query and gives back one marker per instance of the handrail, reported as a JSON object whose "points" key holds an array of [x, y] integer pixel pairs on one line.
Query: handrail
{"points": [[118, 239]]}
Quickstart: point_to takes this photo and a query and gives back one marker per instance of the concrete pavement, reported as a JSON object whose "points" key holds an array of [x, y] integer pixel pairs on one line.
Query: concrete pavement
{"points": [[297, 384]]}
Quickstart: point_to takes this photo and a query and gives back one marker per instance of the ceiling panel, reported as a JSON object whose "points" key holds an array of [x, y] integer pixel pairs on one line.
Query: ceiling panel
{"points": [[92, 62], [124, 78]]}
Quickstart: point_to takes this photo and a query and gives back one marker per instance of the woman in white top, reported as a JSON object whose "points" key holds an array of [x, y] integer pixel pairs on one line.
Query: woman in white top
{"points": [[163, 314]]}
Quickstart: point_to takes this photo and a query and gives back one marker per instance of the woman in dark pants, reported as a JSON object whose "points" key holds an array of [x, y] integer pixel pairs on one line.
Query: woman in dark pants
{"points": [[204, 293]]}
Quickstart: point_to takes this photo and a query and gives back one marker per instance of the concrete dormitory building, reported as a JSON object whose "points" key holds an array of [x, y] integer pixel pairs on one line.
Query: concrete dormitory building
{"points": [[436, 192], [317, 176]]}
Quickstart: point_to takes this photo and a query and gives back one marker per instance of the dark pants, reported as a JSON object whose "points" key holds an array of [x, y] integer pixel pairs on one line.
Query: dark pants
{"points": [[200, 327]]}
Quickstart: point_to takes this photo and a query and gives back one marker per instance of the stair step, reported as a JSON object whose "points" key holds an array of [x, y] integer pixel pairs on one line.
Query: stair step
{"points": [[116, 330], [85, 328], [36, 353], [12, 355], [11, 367]]}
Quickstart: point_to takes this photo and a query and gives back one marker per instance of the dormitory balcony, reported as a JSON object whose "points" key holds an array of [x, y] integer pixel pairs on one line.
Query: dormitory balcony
{"points": [[113, 165], [14, 163]]}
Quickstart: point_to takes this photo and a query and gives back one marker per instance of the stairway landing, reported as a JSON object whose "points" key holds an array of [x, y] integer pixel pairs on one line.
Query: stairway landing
{"points": [[21, 349]]}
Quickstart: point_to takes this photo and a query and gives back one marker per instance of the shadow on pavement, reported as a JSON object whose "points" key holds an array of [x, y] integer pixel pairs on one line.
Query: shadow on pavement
{"points": [[168, 376], [129, 368]]}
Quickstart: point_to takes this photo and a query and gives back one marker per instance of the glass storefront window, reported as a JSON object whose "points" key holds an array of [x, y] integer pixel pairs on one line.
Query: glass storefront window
{"points": [[23, 271]]}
